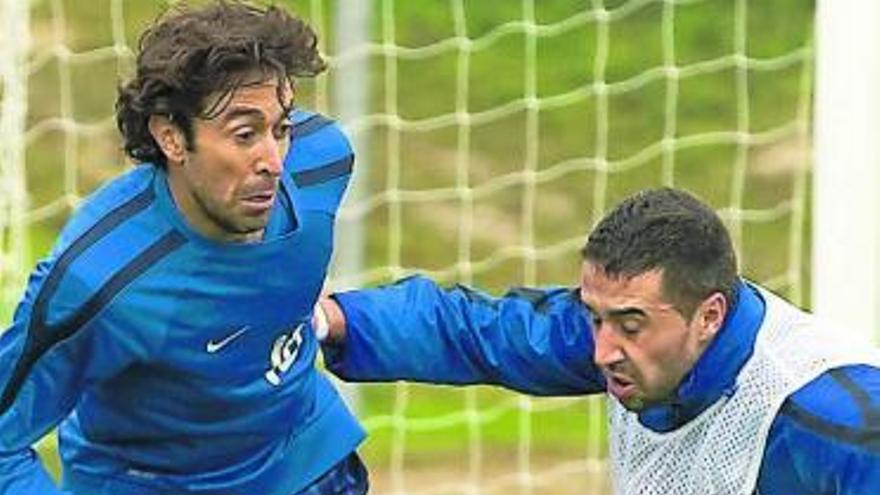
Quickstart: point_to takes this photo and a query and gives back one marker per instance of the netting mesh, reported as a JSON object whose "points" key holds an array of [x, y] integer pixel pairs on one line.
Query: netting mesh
{"points": [[493, 135]]}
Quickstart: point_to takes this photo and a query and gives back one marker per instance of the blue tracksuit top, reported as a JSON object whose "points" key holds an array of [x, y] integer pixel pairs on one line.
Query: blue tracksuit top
{"points": [[824, 441], [173, 363]]}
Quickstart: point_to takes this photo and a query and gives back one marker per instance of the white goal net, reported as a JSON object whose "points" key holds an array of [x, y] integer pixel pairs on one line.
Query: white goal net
{"points": [[491, 136]]}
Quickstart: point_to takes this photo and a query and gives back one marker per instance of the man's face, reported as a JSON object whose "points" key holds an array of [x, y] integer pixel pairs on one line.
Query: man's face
{"points": [[644, 346], [226, 186]]}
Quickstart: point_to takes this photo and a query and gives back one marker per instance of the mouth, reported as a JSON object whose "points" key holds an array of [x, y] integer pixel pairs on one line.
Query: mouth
{"points": [[259, 201], [621, 387]]}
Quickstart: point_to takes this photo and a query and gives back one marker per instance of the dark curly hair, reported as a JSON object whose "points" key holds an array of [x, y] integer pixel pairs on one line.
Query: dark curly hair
{"points": [[189, 54], [671, 230]]}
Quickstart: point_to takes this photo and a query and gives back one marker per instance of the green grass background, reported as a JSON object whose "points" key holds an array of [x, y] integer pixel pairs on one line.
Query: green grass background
{"points": [[499, 73]]}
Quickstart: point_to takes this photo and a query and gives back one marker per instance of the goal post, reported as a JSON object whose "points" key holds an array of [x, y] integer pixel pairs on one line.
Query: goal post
{"points": [[846, 185], [14, 47], [351, 105]]}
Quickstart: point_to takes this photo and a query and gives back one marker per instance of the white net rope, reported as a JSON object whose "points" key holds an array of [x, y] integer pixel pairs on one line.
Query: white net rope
{"points": [[44, 178], [496, 134]]}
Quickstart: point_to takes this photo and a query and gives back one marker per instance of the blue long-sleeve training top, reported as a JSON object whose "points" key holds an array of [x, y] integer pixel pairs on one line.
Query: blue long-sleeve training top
{"points": [[173, 363], [824, 441]]}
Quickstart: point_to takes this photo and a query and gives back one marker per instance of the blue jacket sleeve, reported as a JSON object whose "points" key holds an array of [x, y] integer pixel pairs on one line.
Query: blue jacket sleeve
{"points": [[536, 341], [42, 376], [826, 438], [20, 469]]}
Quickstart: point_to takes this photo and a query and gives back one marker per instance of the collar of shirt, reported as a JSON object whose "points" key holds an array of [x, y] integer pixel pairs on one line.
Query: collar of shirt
{"points": [[715, 372]]}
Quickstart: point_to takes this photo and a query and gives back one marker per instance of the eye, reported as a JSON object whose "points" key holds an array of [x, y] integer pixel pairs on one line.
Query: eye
{"points": [[244, 135], [596, 321], [283, 130], [630, 326]]}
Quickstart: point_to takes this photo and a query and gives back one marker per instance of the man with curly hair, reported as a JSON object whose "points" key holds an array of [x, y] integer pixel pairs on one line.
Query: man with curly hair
{"points": [[164, 335]]}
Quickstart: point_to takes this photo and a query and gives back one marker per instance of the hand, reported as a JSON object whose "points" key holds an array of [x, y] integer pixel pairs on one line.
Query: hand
{"points": [[328, 320], [320, 323]]}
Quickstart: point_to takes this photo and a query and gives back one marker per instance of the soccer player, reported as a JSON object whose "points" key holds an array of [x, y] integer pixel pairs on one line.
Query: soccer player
{"points": [[164, 335], [717, 385]]}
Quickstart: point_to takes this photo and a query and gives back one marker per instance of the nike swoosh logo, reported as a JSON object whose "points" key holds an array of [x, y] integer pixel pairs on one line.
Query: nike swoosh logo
{"points": [[214, 346]]}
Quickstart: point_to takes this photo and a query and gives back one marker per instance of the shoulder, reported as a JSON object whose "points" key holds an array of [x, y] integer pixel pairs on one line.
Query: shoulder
{"points": [[840, 402], [108, 243], [828, 432], [114, 236], [124, 196], [546, 300], [319, 151], [320, 161]]}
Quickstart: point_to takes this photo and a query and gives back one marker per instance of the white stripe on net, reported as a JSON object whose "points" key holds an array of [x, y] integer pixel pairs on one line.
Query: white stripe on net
{"points": [[562, 168], [742, 122], [394, 121], [515, 27], [485, 415], [542, 478]]}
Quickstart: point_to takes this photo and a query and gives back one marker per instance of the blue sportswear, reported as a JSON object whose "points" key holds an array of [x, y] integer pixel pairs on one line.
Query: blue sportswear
{"points": [[172, 363], [824, 441]]}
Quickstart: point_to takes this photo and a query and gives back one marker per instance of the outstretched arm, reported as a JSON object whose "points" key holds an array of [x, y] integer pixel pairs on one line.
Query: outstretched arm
{"points": [[536, 341]]}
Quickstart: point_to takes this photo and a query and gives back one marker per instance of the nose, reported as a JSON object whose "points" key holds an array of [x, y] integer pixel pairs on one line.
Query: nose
{"points": [[608, 351], [271, 157]]}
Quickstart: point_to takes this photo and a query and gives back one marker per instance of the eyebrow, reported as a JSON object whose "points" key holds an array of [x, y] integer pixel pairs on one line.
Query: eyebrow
{"points": [[234, 113], [619, 312], [626, 312]]}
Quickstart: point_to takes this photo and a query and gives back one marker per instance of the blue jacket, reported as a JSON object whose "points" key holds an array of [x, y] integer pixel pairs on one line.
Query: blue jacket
{"points": [[824, 441], [173, 363]]}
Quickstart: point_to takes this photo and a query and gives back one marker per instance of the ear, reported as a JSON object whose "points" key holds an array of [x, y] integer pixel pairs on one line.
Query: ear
{"points": [[710, 316], [169, 138]]}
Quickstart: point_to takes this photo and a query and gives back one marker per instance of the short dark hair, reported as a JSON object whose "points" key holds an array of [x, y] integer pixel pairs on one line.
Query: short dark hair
{"points": [[189, 54], [675, 232]]}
